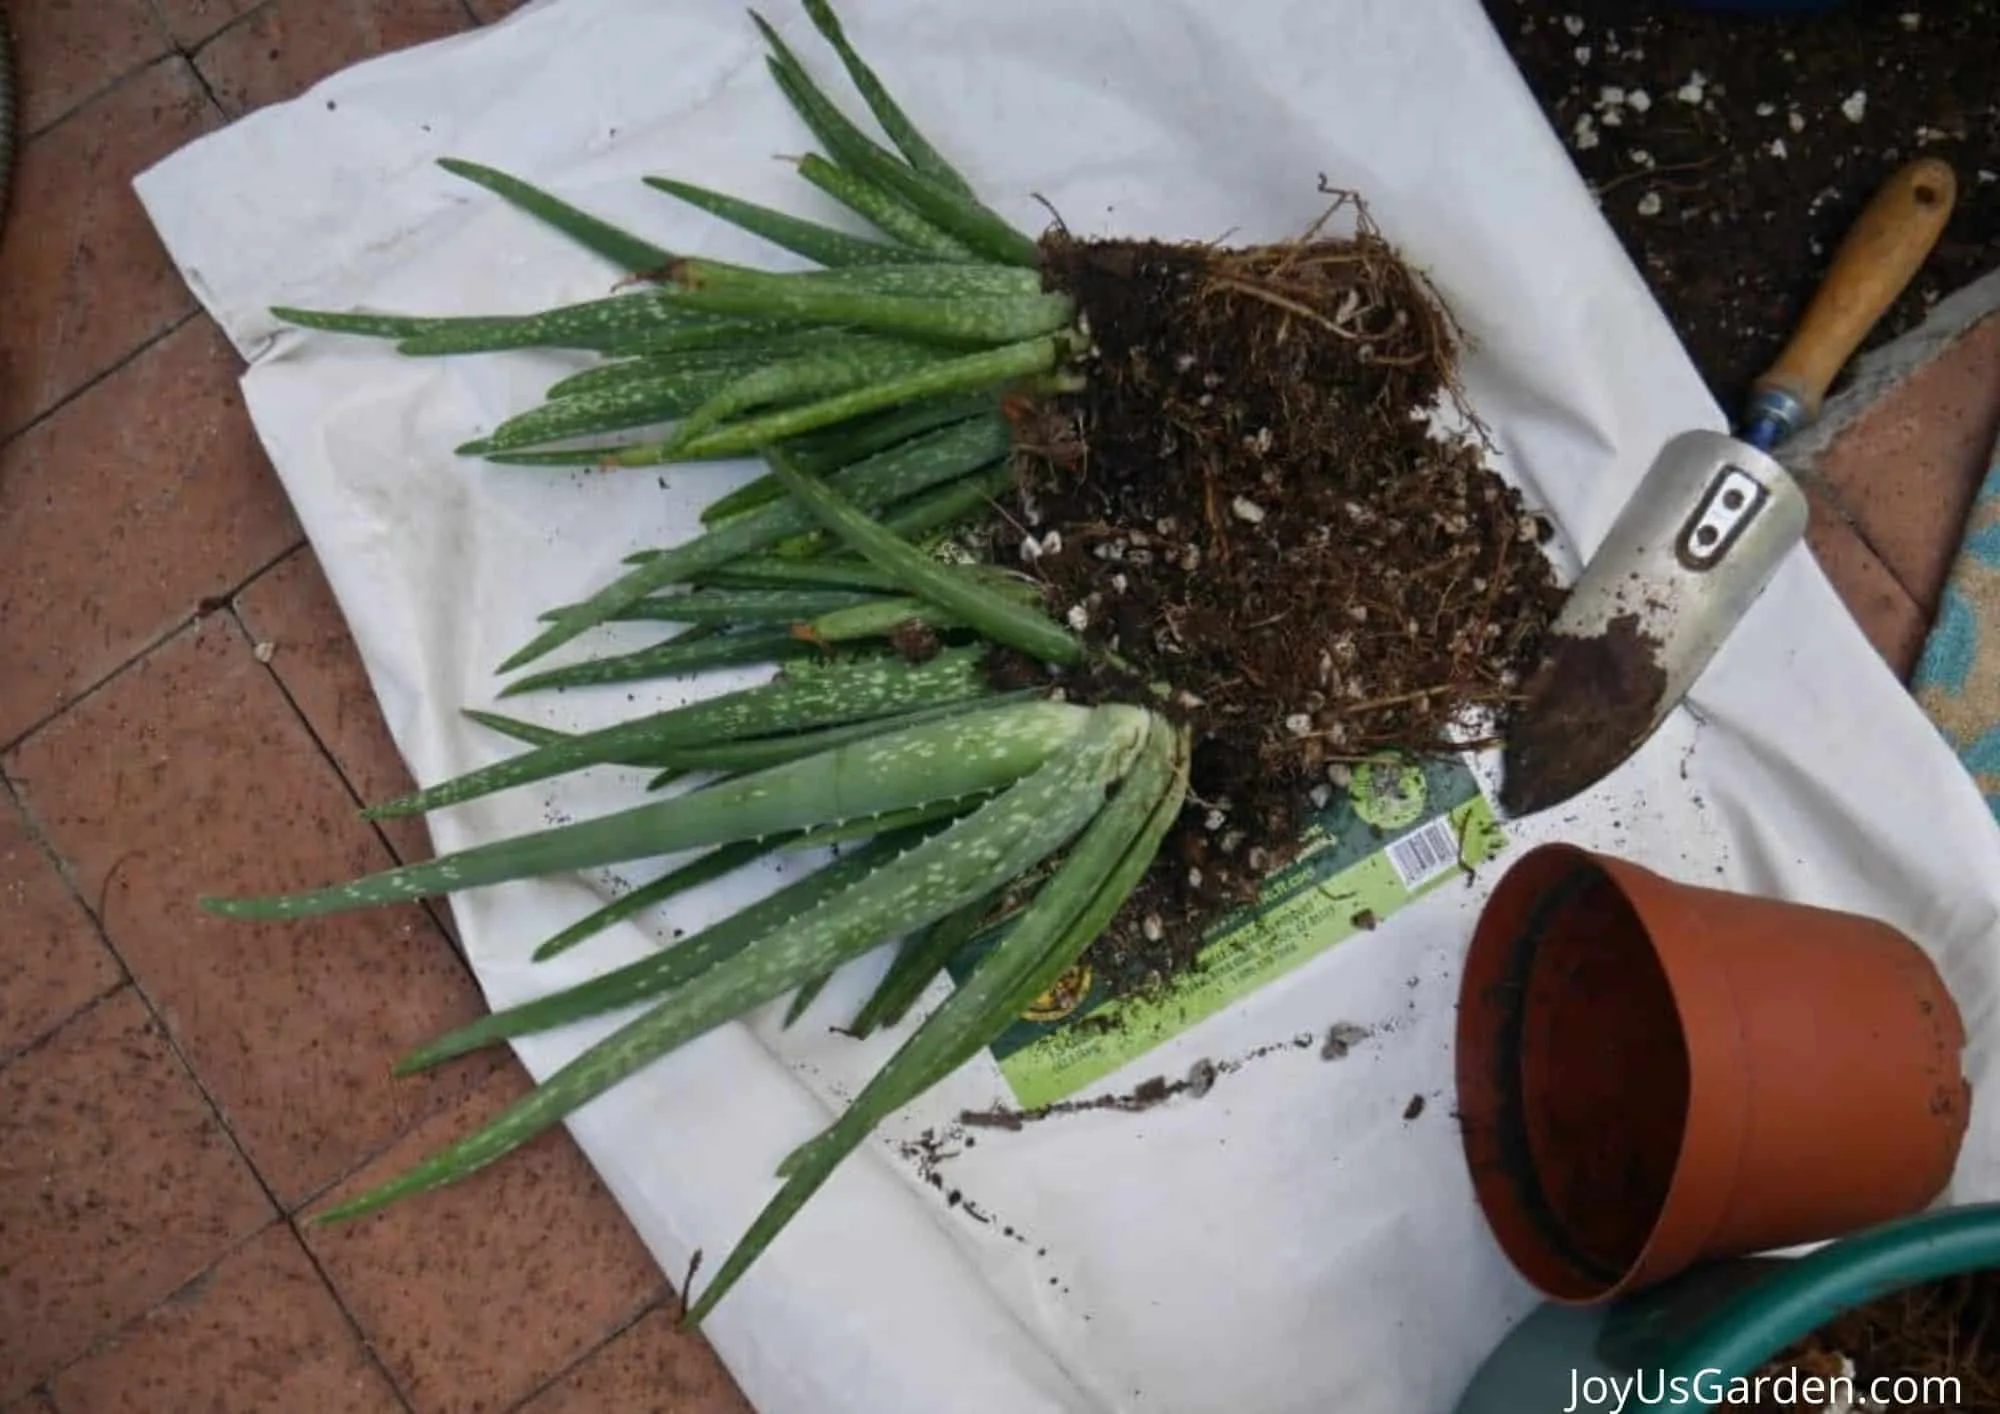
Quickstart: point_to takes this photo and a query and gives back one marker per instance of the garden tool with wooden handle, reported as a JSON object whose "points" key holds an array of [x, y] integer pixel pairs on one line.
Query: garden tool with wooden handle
{"points": [[1707, 528]]}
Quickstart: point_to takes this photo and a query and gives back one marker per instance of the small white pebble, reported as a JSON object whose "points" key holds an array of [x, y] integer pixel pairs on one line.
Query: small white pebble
{"points": [[1910, 20], [1320, 796], [1694, 90], [1777, 147], [1151, 926], [1611, 96], [1796, 121], [1765, 110], [1339, 775], [1582, 53], [1214, 820], [1650, 204], [1299, 723], [1119, 583], [1183, 363], [1638, 100], [1614, 118], [1854, 105], [1194, 878], [1641, 157], [1584, 134], [263, 652], [1985, 176], [1079, 617], [1031, 548], [1246, 509], [1052, 543], [1574, 24]]}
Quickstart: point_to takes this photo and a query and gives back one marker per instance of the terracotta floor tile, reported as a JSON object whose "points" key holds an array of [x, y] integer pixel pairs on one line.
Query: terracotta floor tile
{"points": [[117, 1185], [192, 21], [292, 609], [56, 963], [67, 50], [476, 1294], [1891, 619], [87, 280], [190, 775], [649, 1368], [289, 45], [1907, 468], [258, 1334], [121, 512]]}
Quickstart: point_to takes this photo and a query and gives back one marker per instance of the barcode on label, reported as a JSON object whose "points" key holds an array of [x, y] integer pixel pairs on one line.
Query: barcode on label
{"points": [[1424, 853]]}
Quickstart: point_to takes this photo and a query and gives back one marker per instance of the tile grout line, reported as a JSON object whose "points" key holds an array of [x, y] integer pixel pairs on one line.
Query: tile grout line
{"points": [[653, 1302], [353, 791], [280, 1211], [122, 362], [145, 651]]}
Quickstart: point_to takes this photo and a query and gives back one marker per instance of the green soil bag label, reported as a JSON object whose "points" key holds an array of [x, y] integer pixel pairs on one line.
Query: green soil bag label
{"points": [[1402, 830]]}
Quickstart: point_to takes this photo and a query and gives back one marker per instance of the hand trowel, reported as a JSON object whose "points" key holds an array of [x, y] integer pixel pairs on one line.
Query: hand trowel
{"points": [[1706, 529]]}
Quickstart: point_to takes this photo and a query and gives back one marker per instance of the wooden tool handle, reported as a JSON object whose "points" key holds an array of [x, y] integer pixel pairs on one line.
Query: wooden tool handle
{"points": [[1882, 253]]}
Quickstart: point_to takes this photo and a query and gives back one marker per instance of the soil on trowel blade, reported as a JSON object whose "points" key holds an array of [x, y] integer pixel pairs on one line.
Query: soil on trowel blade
{"points": [[1249, 503], [1589, 703]]}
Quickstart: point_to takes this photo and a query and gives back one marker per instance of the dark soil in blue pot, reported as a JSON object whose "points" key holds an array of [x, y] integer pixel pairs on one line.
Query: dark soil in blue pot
{"points": [[1731, 151]]}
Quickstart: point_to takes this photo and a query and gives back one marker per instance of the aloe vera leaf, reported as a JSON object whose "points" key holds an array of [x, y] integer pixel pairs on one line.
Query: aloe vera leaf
{"points": [[755, 753], [812, 375], [922, 956], [685, 958], [652, 319], [830, 449], [1079, 893], [904, 133], [709, 867], [977, 316], [763, 570], [959, 214], [620, 407], [929, 762], [993, 366], [805, 696], [671, 659], [803, 999], [380, 326], [1000, 840], [823, 245], [990, 613], [1025, 964], [948, 504], [887, 476], [628, 252], [744, 356], [536, 735], [886, 212], [740, 606]]}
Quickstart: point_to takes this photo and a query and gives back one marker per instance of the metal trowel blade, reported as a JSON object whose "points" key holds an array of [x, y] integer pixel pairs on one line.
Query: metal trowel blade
{"points": [[1691, 551]]}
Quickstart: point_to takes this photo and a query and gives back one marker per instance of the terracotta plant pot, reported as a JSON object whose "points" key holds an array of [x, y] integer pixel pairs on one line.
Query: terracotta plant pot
{"points": [[1650, 1074]]}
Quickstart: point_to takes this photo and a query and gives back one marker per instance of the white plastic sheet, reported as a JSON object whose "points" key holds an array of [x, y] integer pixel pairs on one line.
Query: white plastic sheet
{"points": [[1289, 1242]]}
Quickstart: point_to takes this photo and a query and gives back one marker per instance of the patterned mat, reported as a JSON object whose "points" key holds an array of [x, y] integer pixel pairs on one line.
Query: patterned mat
{"points": [[1957, 676]]}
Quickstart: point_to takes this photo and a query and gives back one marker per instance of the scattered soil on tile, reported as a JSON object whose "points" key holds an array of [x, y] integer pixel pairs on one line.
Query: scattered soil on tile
{"points": [[1250, 504], [1731, 153], [1948, 1328], [1599, 695]]}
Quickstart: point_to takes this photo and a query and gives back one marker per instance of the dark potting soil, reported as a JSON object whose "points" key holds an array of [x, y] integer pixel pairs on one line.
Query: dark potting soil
{"points": [[1597, 697], [1731, 153], [1248, 504]]}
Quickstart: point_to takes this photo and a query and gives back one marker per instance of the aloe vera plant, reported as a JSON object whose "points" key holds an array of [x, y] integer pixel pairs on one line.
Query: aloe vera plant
{"points": [[880, 390]]}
